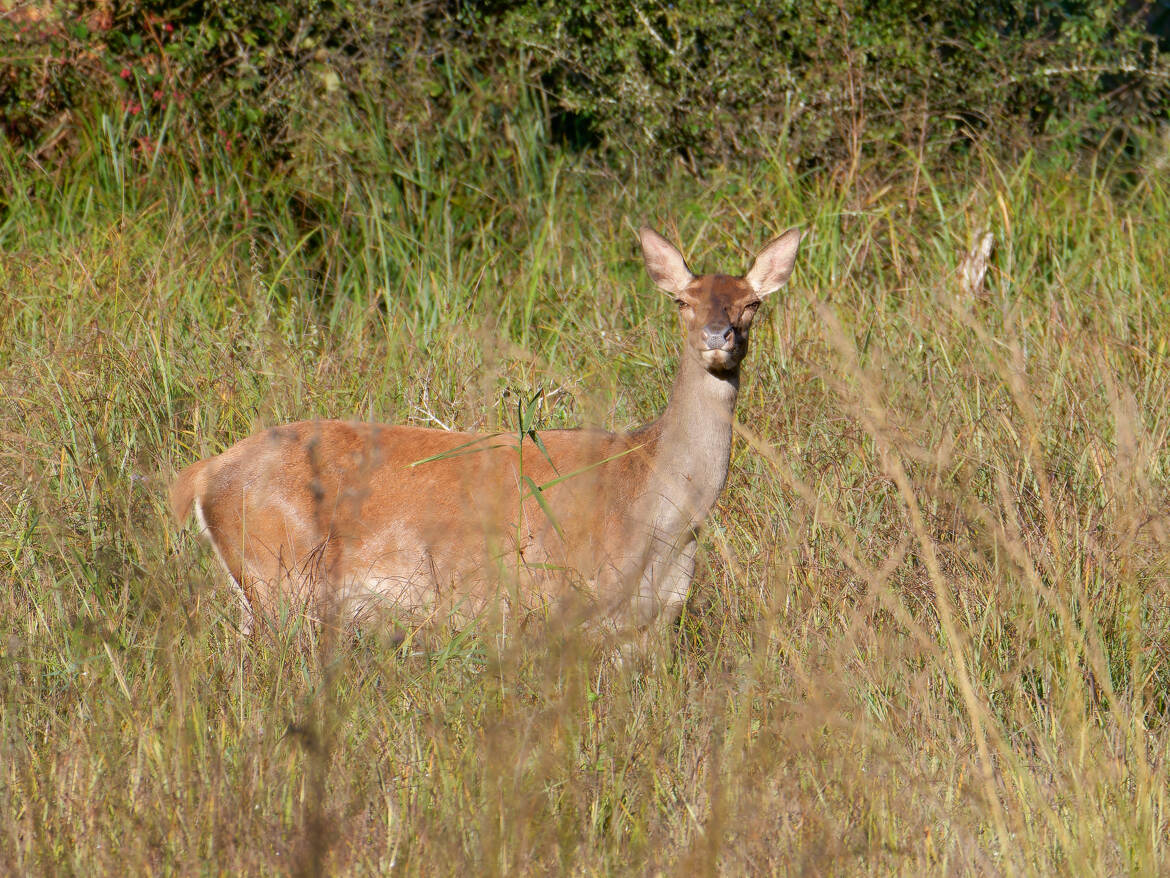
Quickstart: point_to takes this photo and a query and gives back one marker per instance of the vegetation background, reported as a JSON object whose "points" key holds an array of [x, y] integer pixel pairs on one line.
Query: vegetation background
{"points": [[930, 629]]}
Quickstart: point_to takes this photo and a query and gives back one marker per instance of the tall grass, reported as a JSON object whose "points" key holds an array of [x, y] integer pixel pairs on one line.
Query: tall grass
{"points": [[929, 630]]}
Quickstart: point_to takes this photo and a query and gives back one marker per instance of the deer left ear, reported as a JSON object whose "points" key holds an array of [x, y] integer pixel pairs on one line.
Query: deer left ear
{"points": [[774, 264]]}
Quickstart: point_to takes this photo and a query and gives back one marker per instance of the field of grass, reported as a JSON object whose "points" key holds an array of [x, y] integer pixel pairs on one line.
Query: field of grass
{"points": [[930, 632]]}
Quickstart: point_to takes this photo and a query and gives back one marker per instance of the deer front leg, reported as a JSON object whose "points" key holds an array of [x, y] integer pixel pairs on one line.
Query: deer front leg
{"points": [[676, 582], [665, 582]]}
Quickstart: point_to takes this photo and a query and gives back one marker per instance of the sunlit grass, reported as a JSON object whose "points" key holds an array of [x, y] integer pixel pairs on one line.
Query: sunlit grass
{"points": [[929, 631]]}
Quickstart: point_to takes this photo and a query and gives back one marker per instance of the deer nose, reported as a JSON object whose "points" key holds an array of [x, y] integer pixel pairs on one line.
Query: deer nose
{"points": [[716, 335]]}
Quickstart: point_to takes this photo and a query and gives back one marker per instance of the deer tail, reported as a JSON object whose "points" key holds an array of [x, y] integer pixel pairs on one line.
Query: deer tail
{"points": [[186, 488]]}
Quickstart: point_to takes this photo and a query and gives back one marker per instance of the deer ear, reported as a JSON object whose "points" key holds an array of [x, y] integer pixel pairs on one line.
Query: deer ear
{"points": [[664, 263], [774, 264]]}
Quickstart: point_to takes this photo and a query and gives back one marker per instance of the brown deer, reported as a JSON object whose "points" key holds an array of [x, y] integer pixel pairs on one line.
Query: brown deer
{"points": [[432, 523]]}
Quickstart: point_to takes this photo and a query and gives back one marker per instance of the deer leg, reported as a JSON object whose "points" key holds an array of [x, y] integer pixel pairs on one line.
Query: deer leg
{"points": [[666, 584]]}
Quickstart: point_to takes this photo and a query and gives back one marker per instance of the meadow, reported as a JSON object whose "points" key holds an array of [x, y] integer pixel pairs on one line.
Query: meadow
{"points": [[930, 632]]}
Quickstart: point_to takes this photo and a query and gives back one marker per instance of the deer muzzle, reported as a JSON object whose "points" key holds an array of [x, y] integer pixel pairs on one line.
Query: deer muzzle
{"points": [[717, 336]]}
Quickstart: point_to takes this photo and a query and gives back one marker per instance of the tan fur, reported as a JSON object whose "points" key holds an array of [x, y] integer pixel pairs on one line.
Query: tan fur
{"points": [[433, 523]]}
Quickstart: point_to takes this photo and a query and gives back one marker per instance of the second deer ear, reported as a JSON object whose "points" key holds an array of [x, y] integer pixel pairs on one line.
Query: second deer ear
{"points": [[664, 263], [774, 264]]}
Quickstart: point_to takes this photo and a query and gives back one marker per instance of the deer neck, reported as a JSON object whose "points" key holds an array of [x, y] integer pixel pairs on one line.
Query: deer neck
{"points": [[694, 447]]}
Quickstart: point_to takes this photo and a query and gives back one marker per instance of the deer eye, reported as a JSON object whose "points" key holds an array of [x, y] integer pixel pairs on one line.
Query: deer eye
{"points": [[682, 304], [750, 309]]}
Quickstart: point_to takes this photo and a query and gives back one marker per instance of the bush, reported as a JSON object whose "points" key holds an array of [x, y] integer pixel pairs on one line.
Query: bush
{"points": [[717, 81], [827, 81], [249, 70]]}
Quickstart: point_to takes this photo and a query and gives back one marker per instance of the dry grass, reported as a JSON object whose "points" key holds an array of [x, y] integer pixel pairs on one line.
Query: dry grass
{"points": [[929, 632]]}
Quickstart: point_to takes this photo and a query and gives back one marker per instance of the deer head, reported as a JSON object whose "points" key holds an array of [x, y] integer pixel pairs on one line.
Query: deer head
{"points": [[717, 309]]}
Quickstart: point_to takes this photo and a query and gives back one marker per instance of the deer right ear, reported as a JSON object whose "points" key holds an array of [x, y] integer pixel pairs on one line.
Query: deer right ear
{"points": [[664, 263]]}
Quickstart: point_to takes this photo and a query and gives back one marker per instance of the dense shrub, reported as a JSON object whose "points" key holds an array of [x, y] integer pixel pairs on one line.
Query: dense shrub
{"points": [[249, 70], [705, 82], [718, 80]]}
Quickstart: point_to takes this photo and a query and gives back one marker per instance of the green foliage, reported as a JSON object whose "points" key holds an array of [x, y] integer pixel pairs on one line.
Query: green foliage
{"points": [[248, 72], [824, 82], [722, 81]]}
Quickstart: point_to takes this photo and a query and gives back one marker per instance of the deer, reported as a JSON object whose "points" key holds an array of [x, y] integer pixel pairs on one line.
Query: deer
{"points": [[431, 524]]}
